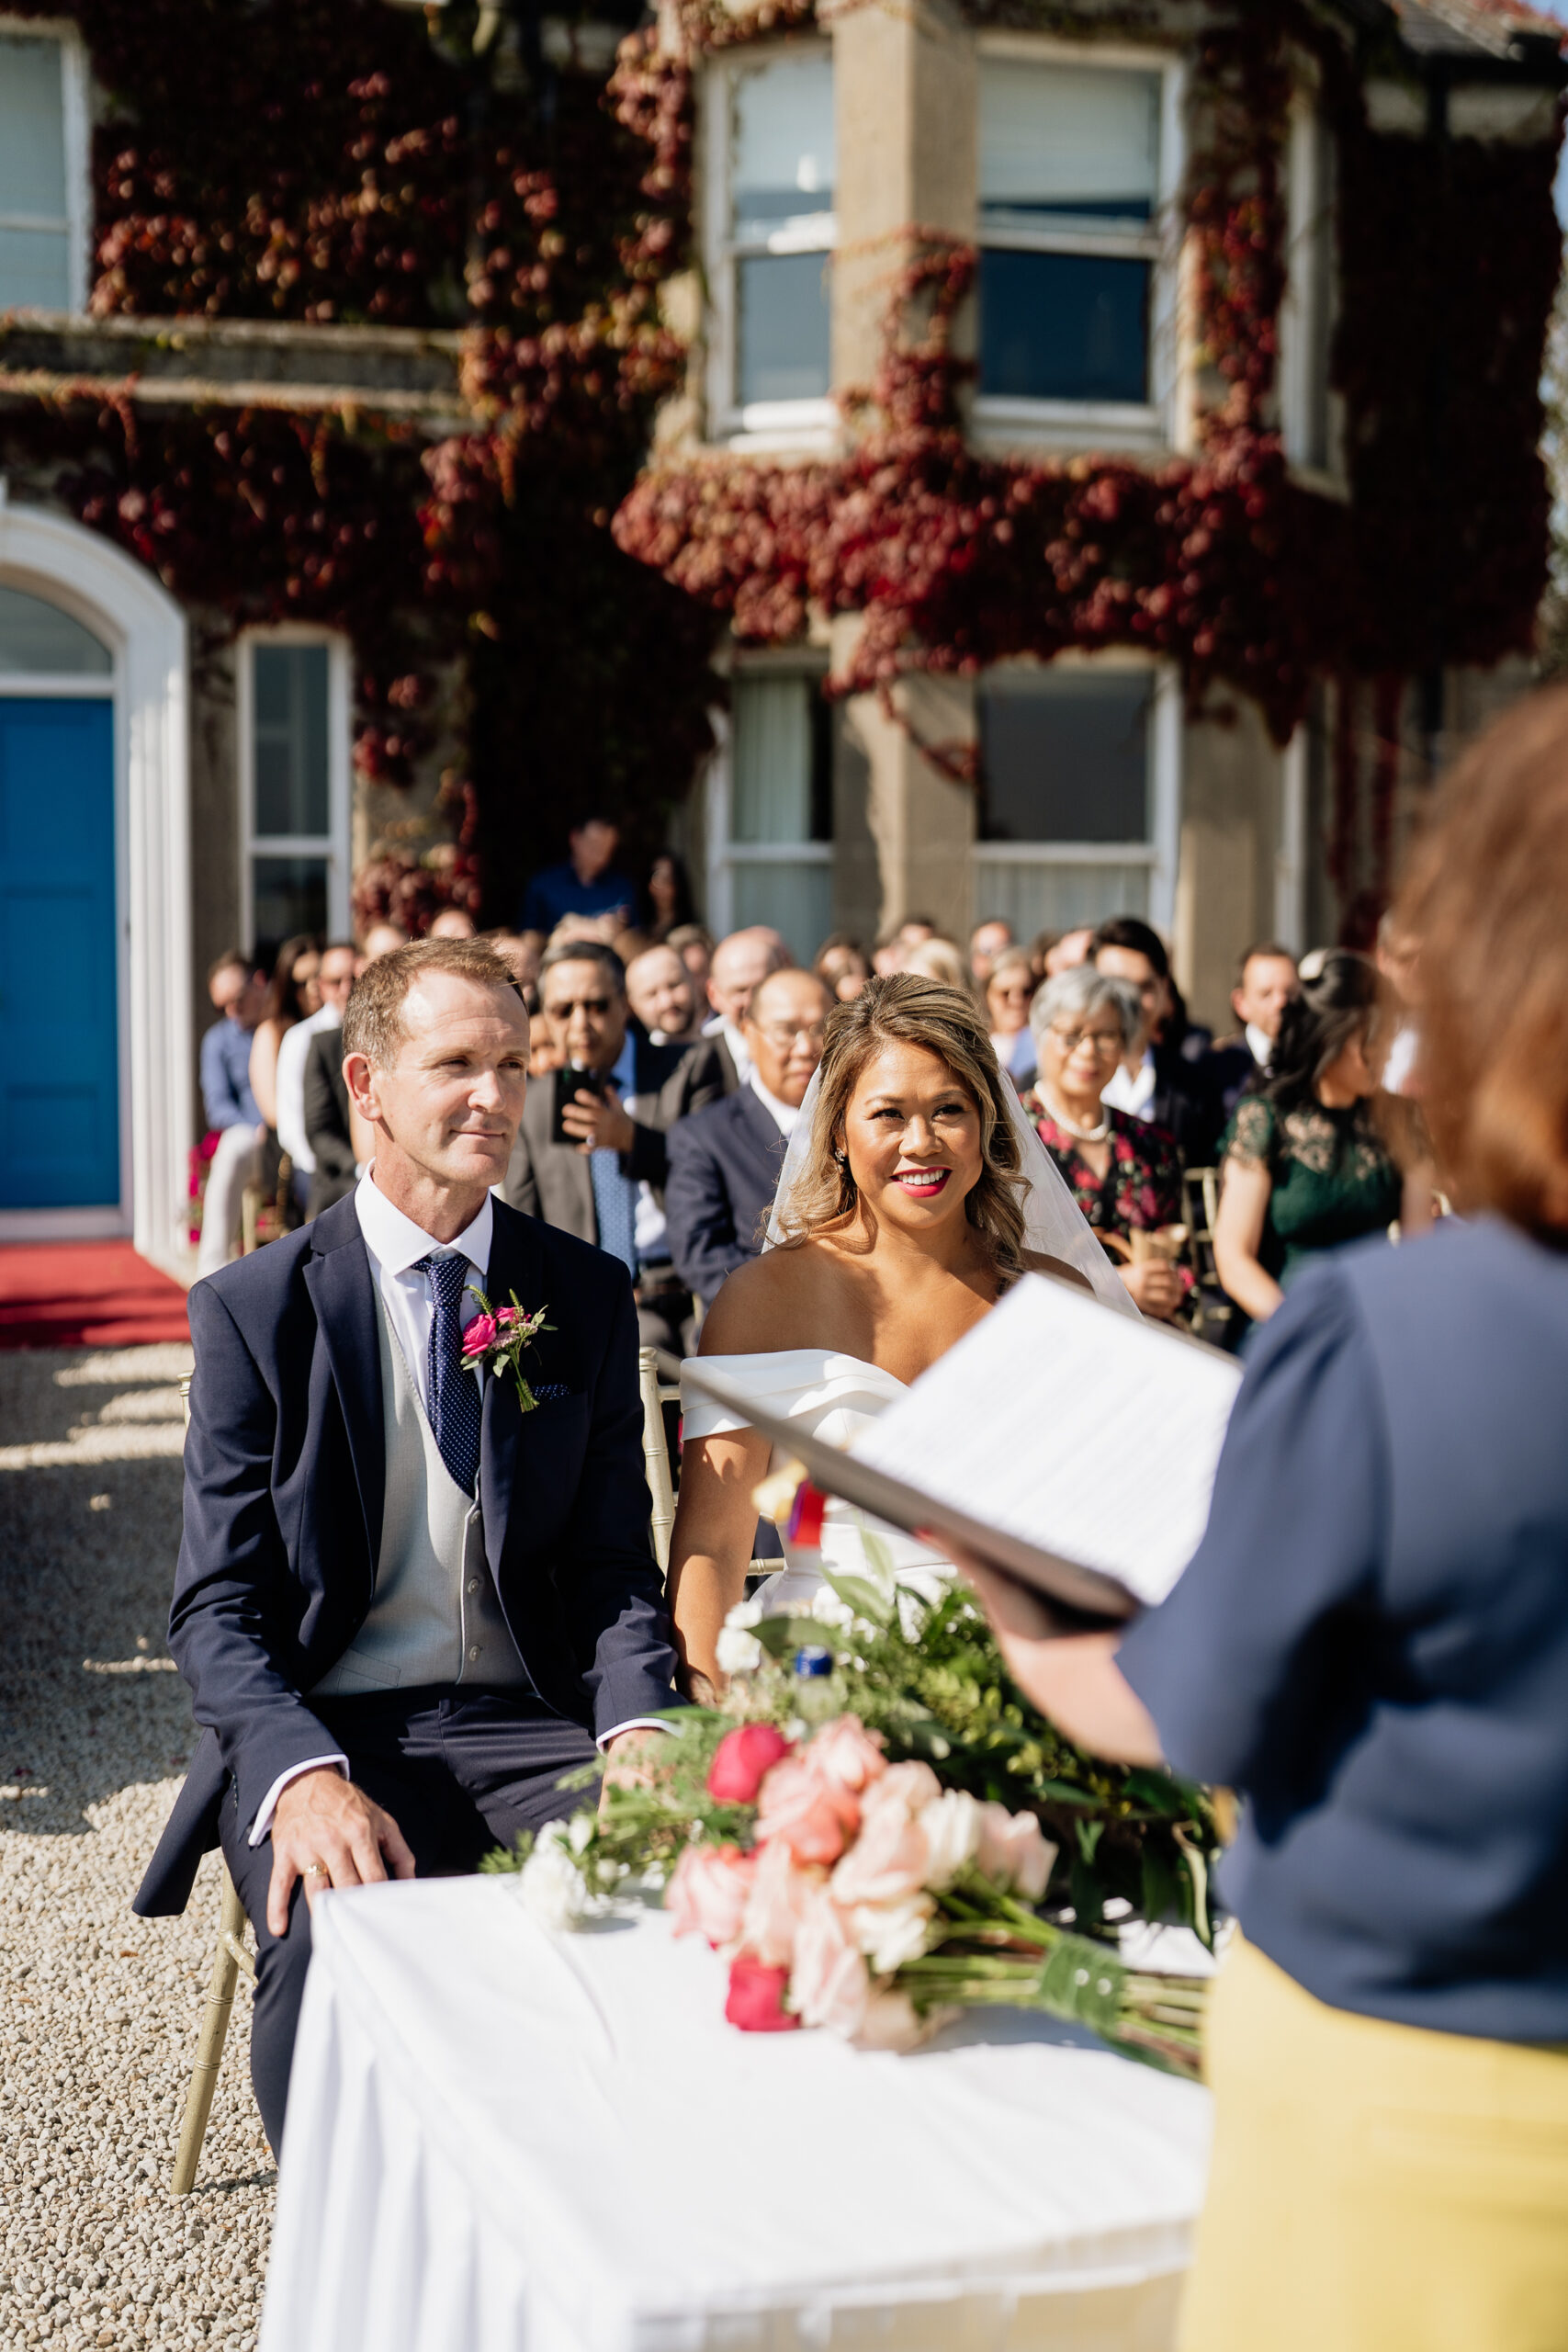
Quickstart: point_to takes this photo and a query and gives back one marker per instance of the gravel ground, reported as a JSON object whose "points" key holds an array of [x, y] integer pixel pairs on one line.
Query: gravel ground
{"points": [[98, 2010]]}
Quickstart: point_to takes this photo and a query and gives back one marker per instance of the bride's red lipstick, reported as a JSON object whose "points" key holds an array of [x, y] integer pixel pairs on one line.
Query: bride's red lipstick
{"points": [[925, 1182]]}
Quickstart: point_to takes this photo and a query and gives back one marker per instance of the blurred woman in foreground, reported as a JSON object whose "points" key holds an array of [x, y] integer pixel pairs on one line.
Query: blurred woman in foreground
{"points": [[1372, 1646]]}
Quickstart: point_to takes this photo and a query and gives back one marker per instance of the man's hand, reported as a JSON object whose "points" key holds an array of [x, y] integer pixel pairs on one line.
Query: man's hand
{"points": [[599, 1123], [327, 1833]]}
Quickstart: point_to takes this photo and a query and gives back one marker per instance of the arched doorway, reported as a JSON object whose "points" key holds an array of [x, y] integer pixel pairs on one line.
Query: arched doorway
{"points": [[95, 917]]}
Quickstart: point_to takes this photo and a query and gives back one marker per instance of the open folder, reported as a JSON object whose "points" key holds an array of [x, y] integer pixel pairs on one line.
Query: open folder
{"points": [[1071, 1447]]}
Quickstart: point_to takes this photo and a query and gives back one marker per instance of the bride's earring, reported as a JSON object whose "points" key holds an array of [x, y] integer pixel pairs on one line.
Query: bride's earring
{"points": [[846, 1182]]}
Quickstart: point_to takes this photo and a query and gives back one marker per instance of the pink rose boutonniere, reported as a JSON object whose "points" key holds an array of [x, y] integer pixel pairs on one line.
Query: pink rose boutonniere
{"points": [[497, 1339]]}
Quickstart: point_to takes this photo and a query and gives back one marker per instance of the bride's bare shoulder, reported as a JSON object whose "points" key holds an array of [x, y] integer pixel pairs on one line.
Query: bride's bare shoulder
{"points": [[770, 1305]]}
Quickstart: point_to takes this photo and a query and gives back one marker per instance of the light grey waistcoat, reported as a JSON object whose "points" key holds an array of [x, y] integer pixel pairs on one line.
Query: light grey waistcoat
{"points": [[435, 1616]]}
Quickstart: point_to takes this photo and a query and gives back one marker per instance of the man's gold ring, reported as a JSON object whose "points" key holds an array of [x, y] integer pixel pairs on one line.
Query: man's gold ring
{"points": [[315, 1870]]}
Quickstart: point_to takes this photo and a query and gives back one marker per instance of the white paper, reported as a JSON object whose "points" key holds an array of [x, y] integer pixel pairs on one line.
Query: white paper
{"points": [[1080, 1431]]}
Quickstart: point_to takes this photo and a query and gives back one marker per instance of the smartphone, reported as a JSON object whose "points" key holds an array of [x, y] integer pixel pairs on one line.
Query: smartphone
{"points": [[569, 1084]]}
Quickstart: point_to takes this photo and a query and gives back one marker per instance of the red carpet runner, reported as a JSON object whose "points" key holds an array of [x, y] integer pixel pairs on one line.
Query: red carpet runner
{"points": [[85, 1294]]}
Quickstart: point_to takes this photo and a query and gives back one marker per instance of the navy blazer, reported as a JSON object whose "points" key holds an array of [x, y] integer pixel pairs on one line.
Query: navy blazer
{"points": [[724, 1171], [284, 1478]]}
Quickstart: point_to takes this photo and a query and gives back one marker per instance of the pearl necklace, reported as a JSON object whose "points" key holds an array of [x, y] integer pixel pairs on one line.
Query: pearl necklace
{"points": [[1084, 1135]]}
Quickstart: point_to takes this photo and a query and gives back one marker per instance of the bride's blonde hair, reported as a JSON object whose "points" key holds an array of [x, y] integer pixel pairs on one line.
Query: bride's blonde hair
{"points": [[907, 1010]]}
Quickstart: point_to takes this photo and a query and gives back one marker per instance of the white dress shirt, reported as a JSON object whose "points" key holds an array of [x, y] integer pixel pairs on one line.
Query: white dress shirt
{"points": [[293, 1051], [395, 1245], [1260, 1044], [783, 1114], [1134, 1093], [722, 1026]]}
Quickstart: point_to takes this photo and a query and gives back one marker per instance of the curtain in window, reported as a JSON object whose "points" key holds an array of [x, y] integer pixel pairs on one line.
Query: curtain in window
{"points": [[1059, 138]]}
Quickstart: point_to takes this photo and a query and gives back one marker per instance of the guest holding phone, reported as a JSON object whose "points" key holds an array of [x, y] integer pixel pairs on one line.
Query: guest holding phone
{"points": [[1370, 1645], [591, 1155]]}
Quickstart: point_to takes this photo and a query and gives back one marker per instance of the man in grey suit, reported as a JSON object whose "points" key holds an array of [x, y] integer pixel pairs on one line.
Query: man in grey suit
{"points": [[600, 1173]]}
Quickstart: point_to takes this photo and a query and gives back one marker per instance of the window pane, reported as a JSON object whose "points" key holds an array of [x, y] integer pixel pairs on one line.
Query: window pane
{"points": [[35, 269], [36, 638], [782, 163], [782, 334], [1066, 758], [291, 757], [287, 894], [1063, 326], [32, 129], [1036, 898], [796, 900], [1059, 140]]}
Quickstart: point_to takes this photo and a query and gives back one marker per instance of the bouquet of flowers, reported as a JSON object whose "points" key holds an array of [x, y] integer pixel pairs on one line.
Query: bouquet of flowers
{"points": [[878, 1830]]}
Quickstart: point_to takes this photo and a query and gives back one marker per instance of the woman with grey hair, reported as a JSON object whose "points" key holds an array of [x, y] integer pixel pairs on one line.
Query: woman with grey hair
{"points": [[1124, 1175]]}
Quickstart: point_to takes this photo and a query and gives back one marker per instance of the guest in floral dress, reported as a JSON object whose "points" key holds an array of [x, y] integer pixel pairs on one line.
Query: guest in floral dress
{"points": [[1318, 1156], [1124, 1175]]}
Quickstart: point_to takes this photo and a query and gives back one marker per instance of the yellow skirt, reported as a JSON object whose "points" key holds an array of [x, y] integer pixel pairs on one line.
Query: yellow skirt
{"points": [[1375, 2187]]}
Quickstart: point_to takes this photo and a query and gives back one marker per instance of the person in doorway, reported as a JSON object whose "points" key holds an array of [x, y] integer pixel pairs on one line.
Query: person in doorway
{"points": [[1266, 981], [664, 902], [238, 994], [601, 1176], [335, 975], [585, 883], [725, 1161]]}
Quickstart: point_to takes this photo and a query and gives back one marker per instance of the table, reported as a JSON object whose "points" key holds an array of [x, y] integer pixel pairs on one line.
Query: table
{"points": [[502, 2137]]}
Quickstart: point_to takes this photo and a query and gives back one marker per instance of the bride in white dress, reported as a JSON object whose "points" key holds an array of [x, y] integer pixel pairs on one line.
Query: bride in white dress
{"points": [[915, 1193]]}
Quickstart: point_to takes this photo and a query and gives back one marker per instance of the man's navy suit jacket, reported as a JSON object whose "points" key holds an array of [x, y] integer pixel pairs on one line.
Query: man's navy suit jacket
{"points": [[724, 1171], [284, 1479]]}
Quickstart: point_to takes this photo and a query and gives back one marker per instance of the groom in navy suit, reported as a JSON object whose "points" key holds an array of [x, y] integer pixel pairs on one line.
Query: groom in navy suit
{"points": [[406, 1606]]}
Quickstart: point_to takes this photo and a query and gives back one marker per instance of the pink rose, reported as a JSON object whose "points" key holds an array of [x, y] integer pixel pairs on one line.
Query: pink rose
{"points": [[707, 1892], [845, 1752], [740, 1760], [755, 2001], [1015, 1851], [890, 1858], [812, 1816], [780, 1890], [479, 1337], [831, 1982], [506, 1317]]}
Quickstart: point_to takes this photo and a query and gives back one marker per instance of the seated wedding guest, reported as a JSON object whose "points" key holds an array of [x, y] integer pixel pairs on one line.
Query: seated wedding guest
{"points": [[725, 1161], [1066, 950], [1167, 1077], [1316, 1158], [380, 940], [451, 922], [1124, 1175], [334, 978], [915, 930], [1370, 1646], [291, 998], [403, 1615], [739, 961], [663, 996], [939, 959], [664, 902], [1266, 981], [337, 1153], [1008, 994], [598, 1172], [888, 955], [986, 942], [521, 957], [694, 947], [238, 994], [843, 964], [911, 1199], [585, 883]]}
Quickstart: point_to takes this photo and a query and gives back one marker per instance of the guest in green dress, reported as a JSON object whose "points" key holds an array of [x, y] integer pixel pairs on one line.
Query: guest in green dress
{"points": [[1318, 1156]]}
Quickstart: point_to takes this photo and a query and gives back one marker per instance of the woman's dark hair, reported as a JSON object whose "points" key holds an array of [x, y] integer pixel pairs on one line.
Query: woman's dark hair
{"points": [[649, 918], [1338, 1003], [282, 999]]}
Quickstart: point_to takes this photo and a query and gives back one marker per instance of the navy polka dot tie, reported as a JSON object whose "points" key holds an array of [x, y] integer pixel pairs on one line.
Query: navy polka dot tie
{"points": [[453, 1393]]}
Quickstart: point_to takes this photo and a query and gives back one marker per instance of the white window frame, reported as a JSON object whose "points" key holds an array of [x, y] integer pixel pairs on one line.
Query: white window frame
{"points": [[77, 219], [1138, 425], [1160, 851], [755, 425], [334, 844], [725, 854], [1305, 310]]}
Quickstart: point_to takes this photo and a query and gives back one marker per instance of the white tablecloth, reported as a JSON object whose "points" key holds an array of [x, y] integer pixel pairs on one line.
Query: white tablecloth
{"points": [[502, 2138]]}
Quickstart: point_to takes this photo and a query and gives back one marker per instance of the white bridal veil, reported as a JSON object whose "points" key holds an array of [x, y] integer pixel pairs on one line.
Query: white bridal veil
{"points": [[1053, 1224]]}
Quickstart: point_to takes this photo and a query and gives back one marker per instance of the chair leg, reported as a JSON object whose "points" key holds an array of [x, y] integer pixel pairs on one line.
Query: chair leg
{"points": [[226, 1962]]}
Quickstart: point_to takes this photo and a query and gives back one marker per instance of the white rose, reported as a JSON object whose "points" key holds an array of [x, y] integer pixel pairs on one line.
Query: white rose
{"points": [[738, 1649], [553, 1889], [952, 1824], [891, 1933], [829, 1610]]}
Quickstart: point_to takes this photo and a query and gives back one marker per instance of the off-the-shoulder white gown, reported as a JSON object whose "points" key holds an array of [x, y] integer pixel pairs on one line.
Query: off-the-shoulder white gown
{"points": [[832, 1397]]}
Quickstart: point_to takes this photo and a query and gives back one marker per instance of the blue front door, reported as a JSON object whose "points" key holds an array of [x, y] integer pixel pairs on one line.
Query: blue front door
{"points": [[59, 1035]]}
